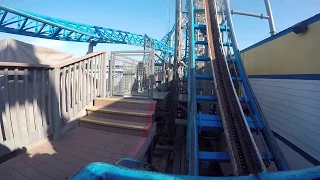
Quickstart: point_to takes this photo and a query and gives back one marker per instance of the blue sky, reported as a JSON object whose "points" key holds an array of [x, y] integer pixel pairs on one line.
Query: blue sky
{"points": [[150, 17]]}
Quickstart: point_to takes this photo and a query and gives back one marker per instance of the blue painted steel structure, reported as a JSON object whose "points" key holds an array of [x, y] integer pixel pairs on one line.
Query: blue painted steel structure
{"points": [[104, 171], [31, 24], [256, 112], [35, 25], [168, 38], [255, 120]]}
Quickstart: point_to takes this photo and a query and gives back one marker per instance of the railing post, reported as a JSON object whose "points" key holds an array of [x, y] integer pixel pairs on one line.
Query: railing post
{"points": [[164, 77], [104, 71], [150, 86], [151, 82], [153, 56], [55, 99], [110, 75], [132, 77]]}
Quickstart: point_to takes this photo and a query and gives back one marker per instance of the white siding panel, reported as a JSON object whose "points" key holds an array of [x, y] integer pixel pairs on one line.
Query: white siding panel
{"points": [[299, 114], [299, 81], [292, 92], [310, 137], [292, 108], [291, 98], [292, 84], [288, 118]]}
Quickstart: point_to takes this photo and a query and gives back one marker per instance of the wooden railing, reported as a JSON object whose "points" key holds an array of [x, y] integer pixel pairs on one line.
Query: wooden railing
{"points": [[37, 101], [81, 81]]}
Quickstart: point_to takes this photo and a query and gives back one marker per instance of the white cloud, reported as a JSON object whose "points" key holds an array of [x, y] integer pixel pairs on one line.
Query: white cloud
{"points": [[52, 44]]}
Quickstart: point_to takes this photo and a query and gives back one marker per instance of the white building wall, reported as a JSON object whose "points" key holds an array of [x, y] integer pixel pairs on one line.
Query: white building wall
{"points": [[292, 108]]}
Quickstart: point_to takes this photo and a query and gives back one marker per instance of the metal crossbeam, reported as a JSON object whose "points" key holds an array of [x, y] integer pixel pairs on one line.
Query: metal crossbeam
{"points": [[169, 37], [225, 157]]}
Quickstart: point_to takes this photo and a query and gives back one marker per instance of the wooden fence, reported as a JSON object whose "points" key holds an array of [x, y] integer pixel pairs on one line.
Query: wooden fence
{"points": [[37, 101]]}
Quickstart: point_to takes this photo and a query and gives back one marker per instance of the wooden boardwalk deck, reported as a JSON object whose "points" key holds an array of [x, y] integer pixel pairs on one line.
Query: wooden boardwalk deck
{"points": [[156, 95], [62, 159]]}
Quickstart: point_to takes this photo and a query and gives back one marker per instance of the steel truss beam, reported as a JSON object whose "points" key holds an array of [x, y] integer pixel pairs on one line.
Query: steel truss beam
{"points": [[31, 24]]}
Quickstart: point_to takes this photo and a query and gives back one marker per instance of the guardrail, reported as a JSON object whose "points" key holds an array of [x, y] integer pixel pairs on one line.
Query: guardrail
{"points": [[132, 73], [38, 100]]}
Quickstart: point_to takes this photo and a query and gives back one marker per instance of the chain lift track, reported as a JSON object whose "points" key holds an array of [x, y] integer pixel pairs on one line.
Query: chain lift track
{"points": [[242, 149], [238, 113]]}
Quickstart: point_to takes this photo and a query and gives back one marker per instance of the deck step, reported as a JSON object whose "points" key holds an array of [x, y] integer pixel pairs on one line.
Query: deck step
{"points": [[126, 103], [121, 114], [116, 126]]}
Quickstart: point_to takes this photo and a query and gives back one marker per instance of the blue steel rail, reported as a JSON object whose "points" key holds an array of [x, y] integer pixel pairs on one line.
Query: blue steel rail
{"points": [[104, 171], [31, 24]]}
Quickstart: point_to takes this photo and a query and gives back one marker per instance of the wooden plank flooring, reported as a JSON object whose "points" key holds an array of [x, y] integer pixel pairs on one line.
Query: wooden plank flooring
{"points": [[156, 95], [64, 158]]}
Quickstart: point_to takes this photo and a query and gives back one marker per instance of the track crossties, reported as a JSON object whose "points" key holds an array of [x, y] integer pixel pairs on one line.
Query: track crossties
{"points": [[243, 152]]}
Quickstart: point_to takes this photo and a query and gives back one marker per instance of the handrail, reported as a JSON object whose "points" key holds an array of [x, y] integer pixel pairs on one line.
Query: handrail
{"points": [[133, 52], [59, 65], [58, 93], [18, 64], [78, 59]]}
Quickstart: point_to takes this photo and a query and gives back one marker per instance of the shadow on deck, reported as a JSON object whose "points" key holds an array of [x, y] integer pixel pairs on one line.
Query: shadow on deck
{"points": [[64, 158]]}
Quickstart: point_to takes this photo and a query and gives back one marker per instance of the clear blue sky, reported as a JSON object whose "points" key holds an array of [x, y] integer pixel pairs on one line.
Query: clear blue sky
{"points": [[150, 17]]}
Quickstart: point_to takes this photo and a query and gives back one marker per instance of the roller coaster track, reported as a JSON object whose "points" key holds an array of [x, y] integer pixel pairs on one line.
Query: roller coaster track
{"points": [[214, 32], [25, 23], [243, 151]]}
